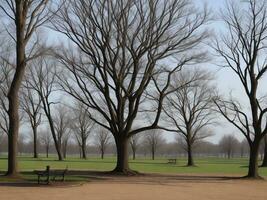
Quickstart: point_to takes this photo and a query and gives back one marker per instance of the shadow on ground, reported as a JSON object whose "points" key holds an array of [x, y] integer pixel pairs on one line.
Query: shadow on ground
{"points": [[77, 177]]}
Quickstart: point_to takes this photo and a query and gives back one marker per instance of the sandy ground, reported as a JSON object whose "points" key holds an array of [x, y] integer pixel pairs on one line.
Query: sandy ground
{"points": [[149, 187]]}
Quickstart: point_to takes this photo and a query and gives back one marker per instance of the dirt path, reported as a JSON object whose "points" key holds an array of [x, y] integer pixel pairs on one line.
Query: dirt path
{"points": [[151, 187]]}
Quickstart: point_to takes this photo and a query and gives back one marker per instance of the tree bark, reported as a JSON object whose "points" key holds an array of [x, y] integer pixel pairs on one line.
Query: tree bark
{"points": [[102, 155], [153, 155], [13, 99], [35, 151], [122, 165], [65, 146], [83, 150], [57, 143], [133, 154], [253, 161], [190, 161], [47, 151], [264, 162]]}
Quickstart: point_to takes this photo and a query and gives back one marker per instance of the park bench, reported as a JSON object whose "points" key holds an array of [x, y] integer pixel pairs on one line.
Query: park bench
{"points": [[48, 173], [172, 161]]}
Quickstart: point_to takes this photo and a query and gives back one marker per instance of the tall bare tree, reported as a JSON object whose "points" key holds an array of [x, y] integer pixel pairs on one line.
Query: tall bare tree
{"points": [[102, 140], [42, 79], [122, 47], [242, 50], [26, 16], [189, 109], [31, 105], [82, 126]]}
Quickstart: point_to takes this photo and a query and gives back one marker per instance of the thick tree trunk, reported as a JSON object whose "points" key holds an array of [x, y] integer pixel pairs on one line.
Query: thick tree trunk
{"points": [[13, 99], [122, 156], [264, 162], [253, 161], [190, 161]]}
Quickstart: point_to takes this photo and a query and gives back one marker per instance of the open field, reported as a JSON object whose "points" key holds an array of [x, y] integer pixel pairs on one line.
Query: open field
{"points": [[218, 166]]}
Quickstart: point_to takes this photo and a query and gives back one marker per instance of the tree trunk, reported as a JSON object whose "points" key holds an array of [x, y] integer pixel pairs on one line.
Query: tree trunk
{"points": [[264, 162], [153, 155], [190, 161], [122, 156], [56, 142], [47, 151], [133, 154], [65, 145], [80, 151], [253, 161], [13, 99], [35, 153], [83, 150], [102, 154]]}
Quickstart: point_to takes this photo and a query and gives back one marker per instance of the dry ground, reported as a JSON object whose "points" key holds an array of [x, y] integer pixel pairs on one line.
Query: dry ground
{"points": [[146, 187]]}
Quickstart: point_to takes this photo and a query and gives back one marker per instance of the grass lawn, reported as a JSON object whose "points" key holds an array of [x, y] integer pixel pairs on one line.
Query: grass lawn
{"points": [[210, 166]]}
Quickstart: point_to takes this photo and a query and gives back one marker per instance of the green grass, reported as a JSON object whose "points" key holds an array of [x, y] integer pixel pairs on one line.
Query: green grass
{"points": [[204, 166]]}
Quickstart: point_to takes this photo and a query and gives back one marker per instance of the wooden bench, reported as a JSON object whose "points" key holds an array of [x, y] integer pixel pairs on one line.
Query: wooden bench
{"points": [[48, 173], [172, 161]]}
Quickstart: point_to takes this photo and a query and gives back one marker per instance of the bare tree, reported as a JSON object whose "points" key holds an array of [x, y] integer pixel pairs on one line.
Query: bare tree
{"points": [[26, 16], [189, 109], [242, 49], [102, 140], [42, 79], [31, 104], [122, 47], [46, 139], [135, 143], [82, 126], [153, 140]]}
